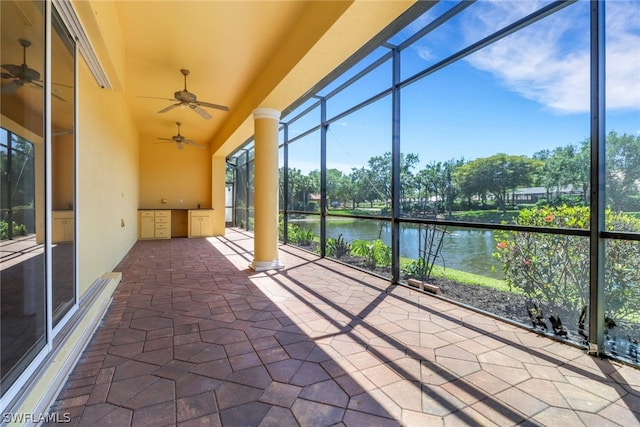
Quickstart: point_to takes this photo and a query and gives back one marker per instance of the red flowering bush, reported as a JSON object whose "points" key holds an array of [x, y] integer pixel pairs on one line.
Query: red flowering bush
{"points": [[553, 270]]}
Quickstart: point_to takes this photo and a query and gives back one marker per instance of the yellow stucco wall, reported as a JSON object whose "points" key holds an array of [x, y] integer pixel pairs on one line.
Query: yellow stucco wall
{"points": [[108, 179], [181, 177]]}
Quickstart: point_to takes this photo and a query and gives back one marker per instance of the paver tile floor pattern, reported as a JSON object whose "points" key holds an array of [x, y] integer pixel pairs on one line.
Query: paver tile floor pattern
{"points": [[194, 337]]}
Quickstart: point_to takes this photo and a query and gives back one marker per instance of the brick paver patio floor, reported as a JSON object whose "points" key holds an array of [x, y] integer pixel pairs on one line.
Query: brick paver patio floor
{"points": [[193, 337]]}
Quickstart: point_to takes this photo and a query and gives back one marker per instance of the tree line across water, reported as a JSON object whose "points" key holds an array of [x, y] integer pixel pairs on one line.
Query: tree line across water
{"points": [[483, 183], [551, 271]]}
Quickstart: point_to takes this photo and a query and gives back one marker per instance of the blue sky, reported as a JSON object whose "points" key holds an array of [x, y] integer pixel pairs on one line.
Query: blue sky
{"points": [[525, 93]]}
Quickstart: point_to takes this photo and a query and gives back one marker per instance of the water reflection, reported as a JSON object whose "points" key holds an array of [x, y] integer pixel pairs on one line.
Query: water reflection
{"points": [[468, 250]]}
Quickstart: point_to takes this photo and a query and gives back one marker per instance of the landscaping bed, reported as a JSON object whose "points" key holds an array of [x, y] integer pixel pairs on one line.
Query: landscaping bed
{"points": [[503, 304], [621, 340]]}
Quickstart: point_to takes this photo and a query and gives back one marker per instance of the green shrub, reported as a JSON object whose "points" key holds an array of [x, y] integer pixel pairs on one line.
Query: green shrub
{"points": [[295, 234], [338, 247], [417, 269], [18, 230], [304, 237], [299, 236], [375, 252], [554, 269]]}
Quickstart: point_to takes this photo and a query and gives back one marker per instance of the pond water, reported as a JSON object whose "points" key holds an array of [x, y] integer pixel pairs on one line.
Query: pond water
{"points": [[462, 249]]}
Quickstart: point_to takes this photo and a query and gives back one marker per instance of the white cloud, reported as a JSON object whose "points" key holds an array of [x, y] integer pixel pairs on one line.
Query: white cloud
{"points": [[548, 62], [424, 52]]}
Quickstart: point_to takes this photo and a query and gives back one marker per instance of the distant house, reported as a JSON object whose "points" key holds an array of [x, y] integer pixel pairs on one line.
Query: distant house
{"points": [[534, 194]]}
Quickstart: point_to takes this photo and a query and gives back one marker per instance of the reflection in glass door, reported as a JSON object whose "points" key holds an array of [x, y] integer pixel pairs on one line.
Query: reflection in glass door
{"points": [[22, 210], [62, 169]]}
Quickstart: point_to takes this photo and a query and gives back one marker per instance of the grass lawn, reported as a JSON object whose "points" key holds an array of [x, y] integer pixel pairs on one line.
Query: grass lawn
{"points": [[473, 279], [488, 216], [467, 278], [375, 211]]}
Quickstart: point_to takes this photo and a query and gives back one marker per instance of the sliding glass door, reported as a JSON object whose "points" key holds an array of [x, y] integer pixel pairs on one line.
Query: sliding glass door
{"points": [[37, 184], [23, 322]]}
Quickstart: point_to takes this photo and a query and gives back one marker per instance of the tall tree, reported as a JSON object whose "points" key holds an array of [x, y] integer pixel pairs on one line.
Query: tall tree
{"points": [[380, 168], [562, 167], [359, 189], [450, 189], [408, 162], [435, 182], [334, 176], [380, 176], [497, 175], [623, 171]]}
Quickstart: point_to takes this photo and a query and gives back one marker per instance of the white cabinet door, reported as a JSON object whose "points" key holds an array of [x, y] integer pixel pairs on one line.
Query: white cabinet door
{"points": [[200, 223]]}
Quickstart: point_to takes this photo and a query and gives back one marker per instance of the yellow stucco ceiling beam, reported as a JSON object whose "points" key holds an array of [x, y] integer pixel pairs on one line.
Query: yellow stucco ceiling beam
{"points": [[325, 36]]}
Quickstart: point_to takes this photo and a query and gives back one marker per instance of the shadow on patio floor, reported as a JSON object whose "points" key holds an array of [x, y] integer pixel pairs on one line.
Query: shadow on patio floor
{"points": [[193, 337]]}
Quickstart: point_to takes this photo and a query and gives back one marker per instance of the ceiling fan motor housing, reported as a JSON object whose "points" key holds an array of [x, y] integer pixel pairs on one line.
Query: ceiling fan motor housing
{"points": [[185, 96], [29, 74]]}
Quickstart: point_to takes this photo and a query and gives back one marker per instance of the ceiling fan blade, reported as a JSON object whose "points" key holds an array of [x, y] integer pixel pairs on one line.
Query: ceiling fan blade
{"points": [[11, 87], [55, 95], [13, 69], [170, 107], [71, 87], [61, 132], [200, 111], [58, 97], [193, 143], [165, 139], [156, 97], [6, 76], [210, 105]]}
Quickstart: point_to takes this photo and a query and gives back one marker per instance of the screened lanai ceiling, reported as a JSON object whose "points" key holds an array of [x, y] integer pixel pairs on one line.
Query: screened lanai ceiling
{"points": [[240, 54]]}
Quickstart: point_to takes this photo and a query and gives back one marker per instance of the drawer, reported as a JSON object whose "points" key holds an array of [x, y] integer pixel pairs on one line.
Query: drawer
{"points": [[145, 214], [201, 213], [162, 232], [162, 219], [62, 214], [162, 225], [162, 214]]}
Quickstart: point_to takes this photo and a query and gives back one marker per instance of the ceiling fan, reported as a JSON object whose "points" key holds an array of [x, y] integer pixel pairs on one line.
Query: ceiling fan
{"points": [[189, 99], [180, 140], [21, 74]]}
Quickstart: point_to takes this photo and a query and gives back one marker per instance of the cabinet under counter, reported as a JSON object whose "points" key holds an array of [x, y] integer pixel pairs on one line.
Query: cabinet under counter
{"points": [[201, 223], [168, 223], [62, 222], [154, 224]]}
